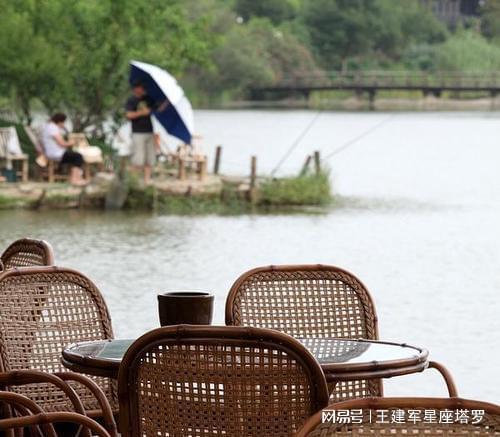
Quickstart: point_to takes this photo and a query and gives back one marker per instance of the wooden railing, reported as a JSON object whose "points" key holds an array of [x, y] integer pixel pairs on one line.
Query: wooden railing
{"points": [[389, 80]]}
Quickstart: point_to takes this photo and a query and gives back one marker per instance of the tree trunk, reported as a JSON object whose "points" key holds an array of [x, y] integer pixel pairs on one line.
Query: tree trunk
{"points": [[24, 103]]}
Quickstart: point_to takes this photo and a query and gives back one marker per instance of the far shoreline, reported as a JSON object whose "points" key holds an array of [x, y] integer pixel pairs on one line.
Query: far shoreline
{"points": [[355, 104]]}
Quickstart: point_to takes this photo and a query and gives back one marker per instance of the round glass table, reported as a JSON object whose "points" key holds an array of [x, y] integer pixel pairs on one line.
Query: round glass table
{"points": [[341, 360]]}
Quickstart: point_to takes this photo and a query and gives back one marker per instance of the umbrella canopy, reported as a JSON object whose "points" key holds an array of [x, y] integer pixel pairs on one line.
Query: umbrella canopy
{"points": [[177, 116]]}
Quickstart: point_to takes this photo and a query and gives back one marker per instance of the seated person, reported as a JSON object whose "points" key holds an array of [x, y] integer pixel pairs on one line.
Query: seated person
{"points": [[56, 148]]}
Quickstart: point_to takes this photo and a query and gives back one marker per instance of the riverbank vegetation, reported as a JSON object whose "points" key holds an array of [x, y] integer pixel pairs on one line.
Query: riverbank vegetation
{"points": [[73, 55], [295, 193], [229, 197]]}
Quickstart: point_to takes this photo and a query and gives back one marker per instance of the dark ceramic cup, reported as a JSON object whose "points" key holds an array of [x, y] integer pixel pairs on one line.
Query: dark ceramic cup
{"points": [[185, 307]]}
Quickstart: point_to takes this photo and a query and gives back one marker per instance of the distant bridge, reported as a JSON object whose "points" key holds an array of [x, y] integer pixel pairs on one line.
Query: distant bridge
{"points": [[370, 82]]}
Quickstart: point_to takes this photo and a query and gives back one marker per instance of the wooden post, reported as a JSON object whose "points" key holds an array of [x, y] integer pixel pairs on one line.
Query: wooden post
{"points": [[253, 179], [371, 99], [218, 153], [253, 172], [317, 162], [305, 167]]}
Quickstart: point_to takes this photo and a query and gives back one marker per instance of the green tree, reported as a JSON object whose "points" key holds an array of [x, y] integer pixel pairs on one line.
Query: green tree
{"points": [[341, 30], [253, 54], [28, 63], [74, 55], [398, 25], [490, 20], [276, 10]]}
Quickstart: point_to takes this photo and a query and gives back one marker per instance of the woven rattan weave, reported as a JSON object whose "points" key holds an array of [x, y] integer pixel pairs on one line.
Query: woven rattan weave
{"points": [[405, 417], [200, 380], [307, 301], [42, 310], [27, 252]]}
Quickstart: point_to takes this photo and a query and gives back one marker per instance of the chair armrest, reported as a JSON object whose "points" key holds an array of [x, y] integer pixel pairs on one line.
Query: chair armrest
{"points": [[448, 378], [23, 377], [45, 420], [26, 407], [107, 412]]}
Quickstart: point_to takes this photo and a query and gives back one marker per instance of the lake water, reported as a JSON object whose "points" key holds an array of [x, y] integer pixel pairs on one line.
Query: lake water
{"points": [[417, 218]]}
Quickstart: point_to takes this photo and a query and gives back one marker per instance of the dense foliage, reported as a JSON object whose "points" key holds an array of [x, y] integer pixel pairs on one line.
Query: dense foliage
{"points": [[73, 54]]}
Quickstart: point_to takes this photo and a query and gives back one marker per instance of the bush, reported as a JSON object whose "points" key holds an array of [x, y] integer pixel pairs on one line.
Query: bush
{"points": [[297, 191], [467, 51]]}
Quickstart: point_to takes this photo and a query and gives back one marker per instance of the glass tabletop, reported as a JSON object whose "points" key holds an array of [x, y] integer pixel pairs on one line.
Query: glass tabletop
{"points": [[330, 352], [106, 350], [333, 351]]}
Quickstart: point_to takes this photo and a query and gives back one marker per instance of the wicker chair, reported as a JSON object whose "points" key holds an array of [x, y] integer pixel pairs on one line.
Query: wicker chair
{"points": [[404, 417], [40, 423], [201, 380], [64, 383], [27, 252], [43, 310], [308, 301]]}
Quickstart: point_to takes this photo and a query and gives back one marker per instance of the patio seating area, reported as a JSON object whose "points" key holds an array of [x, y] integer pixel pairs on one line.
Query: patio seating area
{"points": [[300, 354], [189, 161]]}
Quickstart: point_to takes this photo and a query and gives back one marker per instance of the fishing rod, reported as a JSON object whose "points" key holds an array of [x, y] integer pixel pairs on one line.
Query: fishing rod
{"points": [[359, 137], [296, 143]]}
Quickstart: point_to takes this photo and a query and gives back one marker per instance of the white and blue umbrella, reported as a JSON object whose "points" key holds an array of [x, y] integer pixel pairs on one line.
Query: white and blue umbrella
{"points": [[174, 110]]}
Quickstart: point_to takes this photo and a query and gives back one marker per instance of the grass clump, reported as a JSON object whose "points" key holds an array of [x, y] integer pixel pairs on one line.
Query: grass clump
{"points": [[7, 202], [304, 190]]}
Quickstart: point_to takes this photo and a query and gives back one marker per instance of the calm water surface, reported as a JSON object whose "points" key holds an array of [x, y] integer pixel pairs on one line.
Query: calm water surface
{"points": [[417, 219]]}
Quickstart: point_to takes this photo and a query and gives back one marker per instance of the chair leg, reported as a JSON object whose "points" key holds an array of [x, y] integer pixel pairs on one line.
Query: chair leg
{"points": [[50, 171], [182, 169], [24, 176], [202, 165], [86, 171], [450, 383]]}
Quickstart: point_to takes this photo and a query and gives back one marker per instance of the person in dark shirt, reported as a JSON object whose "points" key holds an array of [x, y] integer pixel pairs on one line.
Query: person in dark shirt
{"points": [[144, 141]]}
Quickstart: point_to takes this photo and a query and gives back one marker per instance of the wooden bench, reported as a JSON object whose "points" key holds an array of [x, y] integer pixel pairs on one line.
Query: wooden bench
{"points": [[190, 156]]}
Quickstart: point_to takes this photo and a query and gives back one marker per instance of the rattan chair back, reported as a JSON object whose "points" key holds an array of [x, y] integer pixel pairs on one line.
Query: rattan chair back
{"points": [[404, 417], [307, 301], [200, 380], [44, 309], [28, 252]]}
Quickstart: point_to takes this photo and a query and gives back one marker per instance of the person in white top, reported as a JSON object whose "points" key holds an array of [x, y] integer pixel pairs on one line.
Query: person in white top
{"points": [[56, 148]]}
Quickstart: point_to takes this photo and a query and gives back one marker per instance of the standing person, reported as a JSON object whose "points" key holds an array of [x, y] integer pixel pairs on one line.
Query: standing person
{"points": [[56, 148], [144, 142]]}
